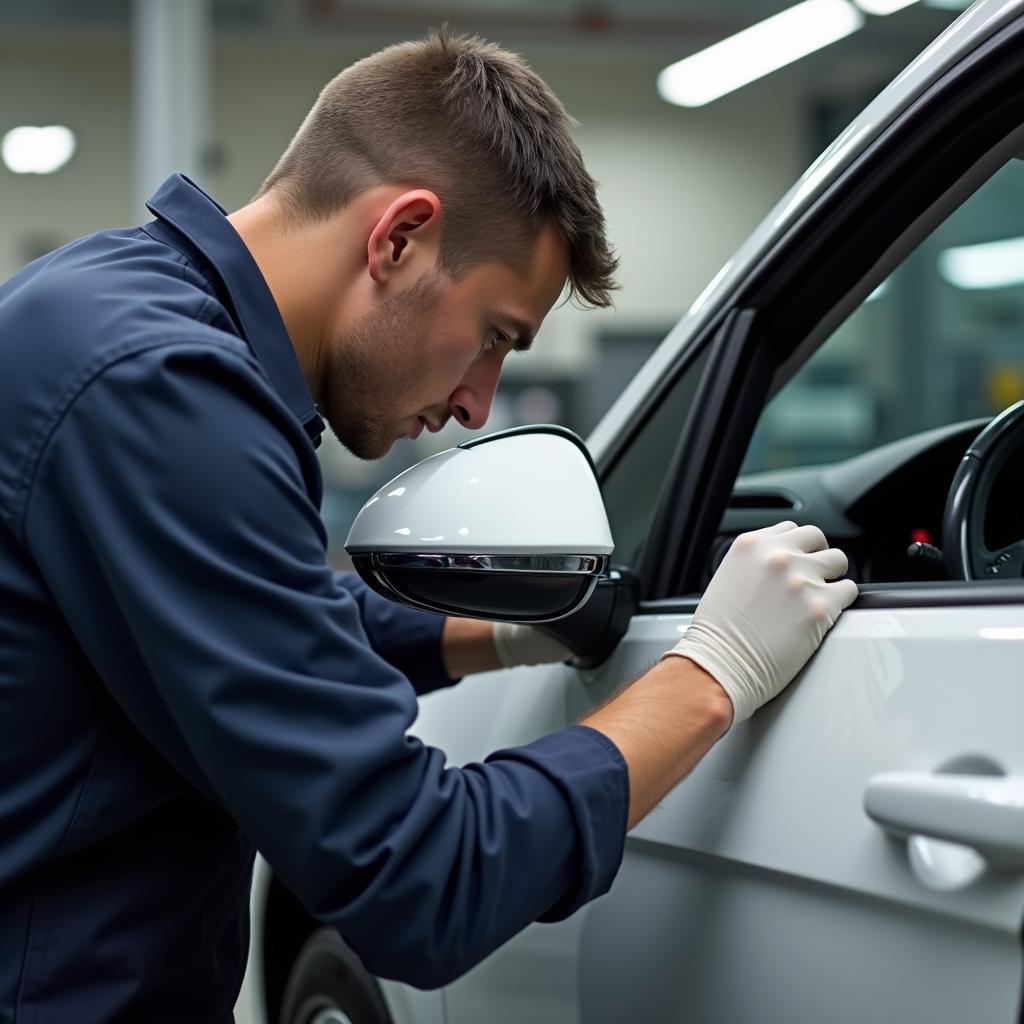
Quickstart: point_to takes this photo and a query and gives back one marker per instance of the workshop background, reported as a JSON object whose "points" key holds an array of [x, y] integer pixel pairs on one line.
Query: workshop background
{"points": [[130, 91]]}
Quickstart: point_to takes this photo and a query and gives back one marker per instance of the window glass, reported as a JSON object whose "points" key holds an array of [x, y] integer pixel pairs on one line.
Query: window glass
{"points": [[941, 340]]}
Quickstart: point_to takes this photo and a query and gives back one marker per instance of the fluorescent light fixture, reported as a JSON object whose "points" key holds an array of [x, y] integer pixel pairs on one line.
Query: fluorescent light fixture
{"points": [[883, 6], [37, 150], [986, 265], [757, 51], [949, 5]]}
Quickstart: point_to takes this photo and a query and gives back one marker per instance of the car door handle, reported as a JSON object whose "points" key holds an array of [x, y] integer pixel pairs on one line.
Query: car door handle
{"points": [[985, 812]]}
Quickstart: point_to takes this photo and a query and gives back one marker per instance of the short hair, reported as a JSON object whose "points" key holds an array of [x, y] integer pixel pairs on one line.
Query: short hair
{"points": [[472, 122]]}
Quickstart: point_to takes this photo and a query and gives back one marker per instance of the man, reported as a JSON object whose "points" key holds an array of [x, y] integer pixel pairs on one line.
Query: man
{"points": [[183, 679]]}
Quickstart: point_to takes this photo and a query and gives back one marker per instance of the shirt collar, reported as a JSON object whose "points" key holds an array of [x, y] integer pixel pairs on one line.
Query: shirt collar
{"points": [[186, 207]]}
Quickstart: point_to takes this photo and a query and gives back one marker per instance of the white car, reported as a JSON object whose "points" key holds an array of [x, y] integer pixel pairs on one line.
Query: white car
{"points": [[855, 851]]}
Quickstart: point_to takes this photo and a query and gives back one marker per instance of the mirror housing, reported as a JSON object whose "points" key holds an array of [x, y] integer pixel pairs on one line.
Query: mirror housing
{"points": [[509, 527]]}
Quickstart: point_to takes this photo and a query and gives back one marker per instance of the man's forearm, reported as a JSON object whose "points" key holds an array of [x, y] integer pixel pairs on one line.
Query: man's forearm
{"points": [[663, 725], [467, 646]]}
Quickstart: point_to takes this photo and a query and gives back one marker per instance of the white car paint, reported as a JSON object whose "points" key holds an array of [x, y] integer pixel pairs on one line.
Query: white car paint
{"points": [[764, 858]]}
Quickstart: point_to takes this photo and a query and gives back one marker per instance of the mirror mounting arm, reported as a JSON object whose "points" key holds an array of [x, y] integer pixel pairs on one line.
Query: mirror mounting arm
{"points": [[593, 631]]}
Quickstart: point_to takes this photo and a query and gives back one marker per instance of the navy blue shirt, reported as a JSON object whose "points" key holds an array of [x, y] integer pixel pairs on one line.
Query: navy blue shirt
{"points": [[183, 679]]}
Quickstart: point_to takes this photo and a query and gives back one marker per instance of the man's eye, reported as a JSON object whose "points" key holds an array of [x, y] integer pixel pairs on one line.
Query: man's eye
{"points": [[495, 339]]}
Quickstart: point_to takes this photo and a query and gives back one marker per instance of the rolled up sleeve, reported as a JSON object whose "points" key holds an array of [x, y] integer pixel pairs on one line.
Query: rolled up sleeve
{"points": [[172, 513]]}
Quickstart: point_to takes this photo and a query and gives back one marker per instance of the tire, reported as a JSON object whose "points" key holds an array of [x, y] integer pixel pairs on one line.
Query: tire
{"points": [[328, 985]]}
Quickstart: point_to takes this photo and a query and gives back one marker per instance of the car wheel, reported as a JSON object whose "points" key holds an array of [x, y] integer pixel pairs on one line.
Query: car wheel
{"points": [[329, 985]]}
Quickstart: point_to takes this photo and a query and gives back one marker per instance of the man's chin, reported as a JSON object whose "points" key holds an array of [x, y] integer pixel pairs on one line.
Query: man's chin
{"points": [[365, 445], [371, 453]]}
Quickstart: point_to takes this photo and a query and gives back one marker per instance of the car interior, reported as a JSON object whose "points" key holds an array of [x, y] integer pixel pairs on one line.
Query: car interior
{"points": [[866, 438]]}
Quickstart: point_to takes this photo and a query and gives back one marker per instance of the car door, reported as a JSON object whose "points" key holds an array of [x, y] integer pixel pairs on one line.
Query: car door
{"points": [[761, 888], [803, 871]]}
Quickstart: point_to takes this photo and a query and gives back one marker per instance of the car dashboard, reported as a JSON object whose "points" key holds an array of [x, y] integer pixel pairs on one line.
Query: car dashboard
{"points": [[875, 505]]}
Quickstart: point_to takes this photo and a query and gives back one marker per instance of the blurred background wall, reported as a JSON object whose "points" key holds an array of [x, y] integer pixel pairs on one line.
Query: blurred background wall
{"points": [[681, 187]]}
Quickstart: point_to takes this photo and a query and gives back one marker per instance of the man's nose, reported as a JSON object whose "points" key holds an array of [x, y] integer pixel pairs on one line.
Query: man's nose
{"points": [[470, 402]]}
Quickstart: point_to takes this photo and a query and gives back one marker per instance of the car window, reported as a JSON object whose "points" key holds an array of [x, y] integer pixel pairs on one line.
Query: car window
{"points": [[939, 341], [631, 487]]}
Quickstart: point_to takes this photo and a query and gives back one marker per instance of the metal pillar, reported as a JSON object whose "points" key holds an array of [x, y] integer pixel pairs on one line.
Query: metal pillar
{"points": [[171, 91]]}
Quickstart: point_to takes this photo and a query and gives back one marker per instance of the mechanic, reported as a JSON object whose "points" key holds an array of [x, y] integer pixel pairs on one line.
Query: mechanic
{"points": [[185, 681]]}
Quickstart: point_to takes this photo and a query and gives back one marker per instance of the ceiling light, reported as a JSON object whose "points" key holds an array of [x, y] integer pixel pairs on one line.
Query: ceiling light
{"points": [[883, 6], [37, 150], [757, 51], [986, 265], [949, 5]]}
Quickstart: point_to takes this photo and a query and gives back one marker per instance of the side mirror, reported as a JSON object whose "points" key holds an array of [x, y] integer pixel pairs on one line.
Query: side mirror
{"points": [[510, 526]]}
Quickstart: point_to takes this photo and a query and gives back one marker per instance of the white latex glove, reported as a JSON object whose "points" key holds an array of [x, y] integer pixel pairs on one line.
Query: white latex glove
{"points": [[518, 644], [765, 612]]}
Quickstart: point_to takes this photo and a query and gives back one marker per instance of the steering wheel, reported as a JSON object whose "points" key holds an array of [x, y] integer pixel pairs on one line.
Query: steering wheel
{"points": [[963, 527]]}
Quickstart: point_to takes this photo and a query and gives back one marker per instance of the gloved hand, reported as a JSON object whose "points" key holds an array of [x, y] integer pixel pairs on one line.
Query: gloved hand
{"points": [[519, 644], [765, 612]]}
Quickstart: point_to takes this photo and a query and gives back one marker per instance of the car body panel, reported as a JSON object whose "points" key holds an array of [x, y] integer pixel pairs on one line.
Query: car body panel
{"points": [[764, 857], [250, 1007], [405, 1004], [535, 976]]}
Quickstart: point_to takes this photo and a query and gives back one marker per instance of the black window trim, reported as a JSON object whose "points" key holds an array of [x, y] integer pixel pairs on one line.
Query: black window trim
{"points": [[702, 470], [877, 596]]}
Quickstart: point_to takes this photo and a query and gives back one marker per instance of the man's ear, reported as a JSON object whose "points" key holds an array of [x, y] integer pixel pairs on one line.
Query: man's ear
{"points": [[407, 234]]}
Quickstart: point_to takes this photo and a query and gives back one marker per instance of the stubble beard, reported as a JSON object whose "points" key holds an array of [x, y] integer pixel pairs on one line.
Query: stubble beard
{"points": [[376, 367]]}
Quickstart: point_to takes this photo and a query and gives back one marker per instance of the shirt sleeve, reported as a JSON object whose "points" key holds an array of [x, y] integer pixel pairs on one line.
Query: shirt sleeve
{"points": [[171, 516], [407, 638]]}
